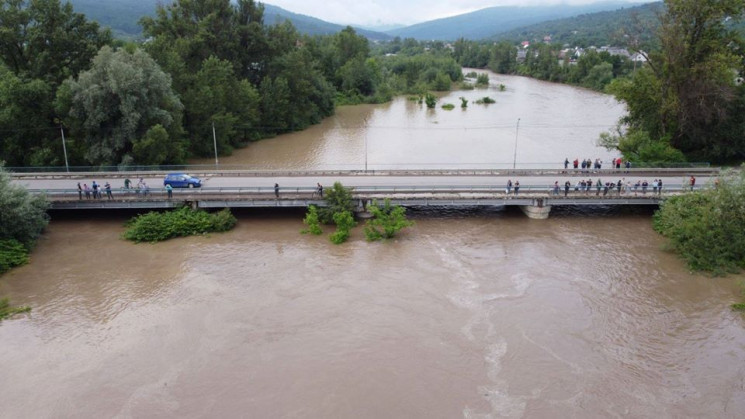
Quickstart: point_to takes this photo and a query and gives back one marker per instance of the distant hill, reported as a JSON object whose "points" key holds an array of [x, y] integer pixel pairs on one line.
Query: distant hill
{"points": [[487, 23], [312, 26], [122, 17], [601, 28]]}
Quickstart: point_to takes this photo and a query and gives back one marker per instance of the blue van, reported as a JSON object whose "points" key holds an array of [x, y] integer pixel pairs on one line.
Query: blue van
{"points": [[181, 180]]}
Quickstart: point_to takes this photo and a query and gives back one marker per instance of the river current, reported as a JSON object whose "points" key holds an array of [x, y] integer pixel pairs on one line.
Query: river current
{"points": [[468, 314]]}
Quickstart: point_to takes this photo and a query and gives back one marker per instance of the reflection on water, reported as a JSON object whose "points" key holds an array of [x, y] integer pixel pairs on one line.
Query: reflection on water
{"points": [[556, 121], [477, 314]]}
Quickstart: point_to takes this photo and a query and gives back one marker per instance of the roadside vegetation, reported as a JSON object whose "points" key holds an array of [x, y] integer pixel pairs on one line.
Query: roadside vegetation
{"points": [[158, 226]]}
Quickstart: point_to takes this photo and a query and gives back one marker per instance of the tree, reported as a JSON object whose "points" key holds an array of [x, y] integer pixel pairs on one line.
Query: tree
{"points": [[687, 94], [338, 199], [344, 223], [43, 39], [218, 97], [116, 102], [386, 222], [23, 216], [707, 227], [25, 108]]}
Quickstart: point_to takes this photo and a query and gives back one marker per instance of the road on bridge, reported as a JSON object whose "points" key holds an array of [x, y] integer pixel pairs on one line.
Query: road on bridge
{"points": [[358, 180]]}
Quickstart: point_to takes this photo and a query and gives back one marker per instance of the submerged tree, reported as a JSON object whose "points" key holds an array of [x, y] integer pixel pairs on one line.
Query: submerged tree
{"points": [[386, 222]]}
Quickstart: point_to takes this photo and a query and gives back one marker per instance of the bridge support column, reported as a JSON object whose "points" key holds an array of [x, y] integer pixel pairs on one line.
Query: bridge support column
{"points": [[536, 211]]}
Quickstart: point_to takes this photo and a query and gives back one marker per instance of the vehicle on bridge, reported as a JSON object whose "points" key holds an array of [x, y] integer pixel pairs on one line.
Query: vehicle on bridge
{"points": [[181, 180]]}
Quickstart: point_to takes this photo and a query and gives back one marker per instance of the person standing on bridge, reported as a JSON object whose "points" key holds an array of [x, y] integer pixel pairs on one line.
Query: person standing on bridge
{"points": [[276, 190], [169, 191], [517, 187], [693, 182], [567, 184], [566, 163], [319, 189], [80, 192], [107, 187], [509, 184], [659, 187]]}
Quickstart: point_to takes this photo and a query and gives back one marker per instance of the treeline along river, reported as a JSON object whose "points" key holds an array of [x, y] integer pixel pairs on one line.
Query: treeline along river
{"points": [[468, 314]]}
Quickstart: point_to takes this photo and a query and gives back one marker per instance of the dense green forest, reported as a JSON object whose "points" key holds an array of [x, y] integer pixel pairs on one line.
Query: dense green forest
{"points": [[213, 63], [206, 63]]}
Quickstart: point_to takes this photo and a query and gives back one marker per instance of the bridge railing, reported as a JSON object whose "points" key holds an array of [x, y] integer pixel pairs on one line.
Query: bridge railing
{"points": [[500, 166], [263, 192]]}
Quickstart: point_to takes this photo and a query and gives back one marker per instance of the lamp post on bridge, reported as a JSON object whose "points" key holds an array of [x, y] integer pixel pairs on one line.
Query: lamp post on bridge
{"points": [[365, 145], [64, 147], [514, 157]]}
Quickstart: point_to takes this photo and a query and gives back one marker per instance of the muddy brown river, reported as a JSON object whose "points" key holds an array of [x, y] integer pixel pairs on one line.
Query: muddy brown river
{"points": [[468, 314]]}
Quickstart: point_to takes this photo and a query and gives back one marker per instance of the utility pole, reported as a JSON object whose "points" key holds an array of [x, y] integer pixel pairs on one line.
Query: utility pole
{"points": [[64, 147], [514, 158], [214, 142]]}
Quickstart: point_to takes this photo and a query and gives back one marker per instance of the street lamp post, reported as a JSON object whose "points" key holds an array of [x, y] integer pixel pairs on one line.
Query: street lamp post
{"points": [[514, 157], [365, 145], [214, 142], [64, 147]]}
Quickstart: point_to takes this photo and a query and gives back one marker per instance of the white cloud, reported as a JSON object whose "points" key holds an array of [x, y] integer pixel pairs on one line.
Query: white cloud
{"points": [[375, 12]]}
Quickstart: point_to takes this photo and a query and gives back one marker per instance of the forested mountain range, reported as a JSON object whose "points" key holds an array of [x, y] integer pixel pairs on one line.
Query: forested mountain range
{"points": [[601, 28], [487, 23], [123, 17]]}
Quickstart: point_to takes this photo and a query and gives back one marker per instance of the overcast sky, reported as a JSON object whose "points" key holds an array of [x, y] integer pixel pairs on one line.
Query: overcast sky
{"points": [[407, 12]]}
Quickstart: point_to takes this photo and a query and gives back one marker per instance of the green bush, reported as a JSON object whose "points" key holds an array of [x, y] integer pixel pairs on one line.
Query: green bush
{"points": [[312, 221], [448, 106], [23, 216], [463, 102], [386, 222], [485, 100], [344, 223], [6, 310], [430, 100], [338, 199], [155, 226], [707, 227], [12, 253], [482, 80]]}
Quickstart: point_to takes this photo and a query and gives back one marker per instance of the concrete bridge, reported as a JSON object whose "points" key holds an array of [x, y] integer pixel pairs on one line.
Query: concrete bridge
{"points": [[428, 188]]}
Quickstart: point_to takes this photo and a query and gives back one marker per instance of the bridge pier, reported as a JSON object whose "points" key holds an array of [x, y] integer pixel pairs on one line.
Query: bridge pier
{"points": [[536, 211]]}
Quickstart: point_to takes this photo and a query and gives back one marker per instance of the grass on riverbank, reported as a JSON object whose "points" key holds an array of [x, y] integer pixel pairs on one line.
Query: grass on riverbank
{"points": [[158, 226]]}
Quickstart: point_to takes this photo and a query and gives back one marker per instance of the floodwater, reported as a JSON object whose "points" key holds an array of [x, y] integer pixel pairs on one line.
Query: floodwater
{"points": [[475, 315], [468, 314], [555, 122]]}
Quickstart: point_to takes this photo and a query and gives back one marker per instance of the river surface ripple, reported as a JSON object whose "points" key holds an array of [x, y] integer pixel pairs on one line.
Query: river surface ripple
{"points": [[478, 315]]}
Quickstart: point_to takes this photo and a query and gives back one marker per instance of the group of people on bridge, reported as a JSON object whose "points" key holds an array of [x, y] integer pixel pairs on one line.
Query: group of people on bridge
{"points": [[588, 164]]}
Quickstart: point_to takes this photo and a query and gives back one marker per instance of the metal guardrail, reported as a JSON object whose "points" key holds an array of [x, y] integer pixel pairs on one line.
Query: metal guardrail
{"points": [[332, 168], [700, 171]]}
